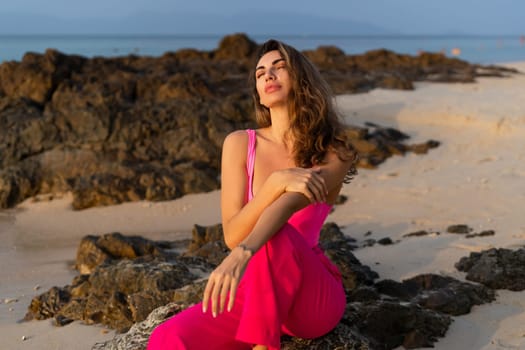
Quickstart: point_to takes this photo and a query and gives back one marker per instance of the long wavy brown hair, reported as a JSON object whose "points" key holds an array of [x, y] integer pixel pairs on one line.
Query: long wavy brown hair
{"points": [[315, 126]]}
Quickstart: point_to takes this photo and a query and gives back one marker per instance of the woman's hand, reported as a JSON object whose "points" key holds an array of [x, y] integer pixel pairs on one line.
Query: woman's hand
{"points": [[224, 280], [309, 182]]}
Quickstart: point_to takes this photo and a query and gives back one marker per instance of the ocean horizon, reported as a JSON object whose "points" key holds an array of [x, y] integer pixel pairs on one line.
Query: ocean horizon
{"points": [[483, 49]]}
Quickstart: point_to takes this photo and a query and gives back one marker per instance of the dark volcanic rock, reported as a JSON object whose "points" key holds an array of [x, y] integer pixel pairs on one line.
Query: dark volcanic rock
{"points": [[37, 76], [385, 241], [496, 268], [19, 182], [481, 234], [375, 144], [339, 248], [392, 324], [236, 47], [439, 293], [112, 130], [377, 325], [137, 336], [208, 243], [417, 234], [95, 250], [386, 69], [115, 294], [131, 276], [461, 228]]}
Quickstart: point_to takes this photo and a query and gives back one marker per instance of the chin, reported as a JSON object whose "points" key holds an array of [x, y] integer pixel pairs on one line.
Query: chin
{"points": [[275, 102]]}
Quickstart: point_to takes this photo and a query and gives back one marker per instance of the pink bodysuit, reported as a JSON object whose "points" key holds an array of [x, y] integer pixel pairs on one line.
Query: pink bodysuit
{"points": [[289, 286]]}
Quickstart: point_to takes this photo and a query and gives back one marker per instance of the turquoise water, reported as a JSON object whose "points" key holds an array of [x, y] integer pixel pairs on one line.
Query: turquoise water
{"points": [[475, 49]]}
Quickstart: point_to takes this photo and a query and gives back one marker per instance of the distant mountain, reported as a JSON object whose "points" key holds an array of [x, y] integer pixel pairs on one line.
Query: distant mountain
{"points": [[254, 23]]}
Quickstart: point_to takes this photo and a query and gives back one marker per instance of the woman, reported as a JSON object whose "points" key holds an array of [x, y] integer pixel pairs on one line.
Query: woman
{"points": [[276, 279]]}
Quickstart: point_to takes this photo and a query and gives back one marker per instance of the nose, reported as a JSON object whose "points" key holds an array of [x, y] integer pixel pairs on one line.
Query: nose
{"points": [[269, 74]]}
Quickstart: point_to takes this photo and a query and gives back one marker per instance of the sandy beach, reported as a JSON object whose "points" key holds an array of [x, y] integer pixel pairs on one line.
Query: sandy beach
{"points": [[476, 177]]}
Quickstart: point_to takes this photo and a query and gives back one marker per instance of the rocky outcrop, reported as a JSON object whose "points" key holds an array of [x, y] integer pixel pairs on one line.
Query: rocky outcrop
{"points": [[385, 69], [440, 293], [137, 337], [496, 268], [112, 130], [132, 284], [122, 279], [376, 326]]}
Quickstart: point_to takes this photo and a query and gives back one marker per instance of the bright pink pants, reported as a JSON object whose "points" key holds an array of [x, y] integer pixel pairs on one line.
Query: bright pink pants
{"points": [[287, 287]]}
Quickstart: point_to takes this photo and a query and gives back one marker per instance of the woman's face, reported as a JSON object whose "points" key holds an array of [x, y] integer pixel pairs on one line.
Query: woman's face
{"points": [[272, 80]]}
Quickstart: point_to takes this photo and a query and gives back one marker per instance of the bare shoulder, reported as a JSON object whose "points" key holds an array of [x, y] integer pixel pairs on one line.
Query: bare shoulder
{"points": [[235, 147], [237, 137], [235, 141]]}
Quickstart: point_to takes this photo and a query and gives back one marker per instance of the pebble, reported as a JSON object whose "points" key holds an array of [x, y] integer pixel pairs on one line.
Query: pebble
{"points": [[37, 287], [24, 338], [10, 300]]}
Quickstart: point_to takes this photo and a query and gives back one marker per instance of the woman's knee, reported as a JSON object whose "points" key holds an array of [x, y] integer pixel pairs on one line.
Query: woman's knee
{"points": [[167, 336]]}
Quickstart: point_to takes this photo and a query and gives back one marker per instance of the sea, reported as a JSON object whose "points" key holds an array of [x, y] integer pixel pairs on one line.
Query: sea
{"points": [[474, 49]]}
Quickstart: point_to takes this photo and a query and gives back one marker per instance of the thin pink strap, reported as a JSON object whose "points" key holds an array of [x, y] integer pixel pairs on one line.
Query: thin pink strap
{"points": [[250, 160]]}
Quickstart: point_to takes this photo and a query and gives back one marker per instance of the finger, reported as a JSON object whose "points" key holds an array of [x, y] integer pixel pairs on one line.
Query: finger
{"points": [[305, 189], [207, 292], [215, 297], [320, 184], [317, 194], [224, 293], [233, 292], [315, 186]]}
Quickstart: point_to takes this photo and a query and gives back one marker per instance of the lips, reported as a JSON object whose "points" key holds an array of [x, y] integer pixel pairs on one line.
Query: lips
{"points": [[271, 88]]}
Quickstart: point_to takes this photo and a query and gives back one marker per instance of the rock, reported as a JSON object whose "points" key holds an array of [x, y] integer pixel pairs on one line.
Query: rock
{"points": [[18, 183], [115, 294], [439, 293], [423, 148], [47, 304], [496, 268], [95, 250], [462, 229], [377, 325], [135, 284], [112, 130], [370, 242], [37, 76], [236, 47], [385, 241], [338, 249], [364, 293], [341, 199], [392, 324], [481, 234], [375, 144], [331, 232], [344, 337], [137, 336], [416, 234], [208, 243]]}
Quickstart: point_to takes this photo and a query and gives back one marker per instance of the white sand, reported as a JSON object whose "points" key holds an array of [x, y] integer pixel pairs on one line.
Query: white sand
{"points": [[476, 177]]}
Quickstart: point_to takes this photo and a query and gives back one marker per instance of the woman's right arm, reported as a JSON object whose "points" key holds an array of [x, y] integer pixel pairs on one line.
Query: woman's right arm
{"points": [[238, 218]]}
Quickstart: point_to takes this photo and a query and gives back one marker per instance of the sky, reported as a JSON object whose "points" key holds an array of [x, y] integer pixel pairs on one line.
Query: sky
{"points": [[169, 16]]}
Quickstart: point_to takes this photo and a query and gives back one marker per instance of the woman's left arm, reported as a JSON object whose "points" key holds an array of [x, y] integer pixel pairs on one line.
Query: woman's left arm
{"points": [[223, 281]]}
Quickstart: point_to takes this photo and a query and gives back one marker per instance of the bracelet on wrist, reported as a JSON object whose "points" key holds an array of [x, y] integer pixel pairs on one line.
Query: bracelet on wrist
{"points": [[245, 248]]}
